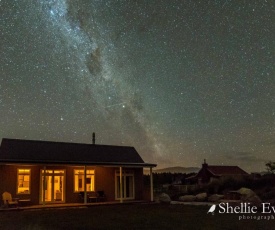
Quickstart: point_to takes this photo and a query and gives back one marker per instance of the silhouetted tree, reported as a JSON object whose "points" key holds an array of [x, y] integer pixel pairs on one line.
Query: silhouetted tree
{"points": [[270, 167], [166, 178]]}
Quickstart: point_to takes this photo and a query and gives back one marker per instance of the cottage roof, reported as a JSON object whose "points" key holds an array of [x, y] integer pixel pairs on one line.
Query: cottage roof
{"points": [[225, 170], [219, 170], [49, 152]]}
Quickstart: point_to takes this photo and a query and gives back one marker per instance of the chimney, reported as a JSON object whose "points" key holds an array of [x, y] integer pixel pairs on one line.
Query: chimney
{"points": [[204, 165], [93, 138]]}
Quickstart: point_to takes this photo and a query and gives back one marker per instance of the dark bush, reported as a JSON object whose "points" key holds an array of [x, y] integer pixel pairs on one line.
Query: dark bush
{"points": [[268, 195], [264, 181]]}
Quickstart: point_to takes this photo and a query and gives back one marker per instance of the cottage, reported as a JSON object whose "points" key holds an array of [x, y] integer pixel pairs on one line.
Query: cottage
{"points": [[209, 172], [43, 172]]}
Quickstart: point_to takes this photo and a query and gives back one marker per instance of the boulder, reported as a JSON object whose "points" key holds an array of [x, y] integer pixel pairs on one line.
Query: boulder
{"points": [[201, 196], [164, 198], [187, 198], [247, 195], [175, 202], [246, 192], [215, 198]]}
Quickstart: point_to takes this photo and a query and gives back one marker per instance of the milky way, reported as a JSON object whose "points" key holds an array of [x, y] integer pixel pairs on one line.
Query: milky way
{"points": [[179, 80]]}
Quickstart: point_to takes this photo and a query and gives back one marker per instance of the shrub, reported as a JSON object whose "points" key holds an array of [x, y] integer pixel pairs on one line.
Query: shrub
{"points": [[268, 195], [225, 184]]}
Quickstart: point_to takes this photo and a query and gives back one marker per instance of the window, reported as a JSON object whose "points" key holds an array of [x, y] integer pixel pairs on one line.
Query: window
{"points": [[128, 188], [23, 181], [79, 180]]}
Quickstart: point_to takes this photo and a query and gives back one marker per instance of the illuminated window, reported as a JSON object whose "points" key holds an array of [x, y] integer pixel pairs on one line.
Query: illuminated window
{"points": [[79, 180], [23, 181]]}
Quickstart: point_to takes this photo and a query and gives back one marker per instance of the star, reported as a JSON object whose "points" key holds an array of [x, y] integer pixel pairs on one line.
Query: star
{"points": [[179, 81]]}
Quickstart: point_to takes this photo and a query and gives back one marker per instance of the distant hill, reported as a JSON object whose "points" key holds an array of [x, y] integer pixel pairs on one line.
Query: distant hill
{"points": [[175, 170]]}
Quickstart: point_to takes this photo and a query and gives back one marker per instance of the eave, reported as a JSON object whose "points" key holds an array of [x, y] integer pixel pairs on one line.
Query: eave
{"points": [[78, 163]]}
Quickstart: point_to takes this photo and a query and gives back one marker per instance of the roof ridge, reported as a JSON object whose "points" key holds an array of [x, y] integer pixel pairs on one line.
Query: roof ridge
{"points": [[224, 169], [72, 143], [223, 166]]}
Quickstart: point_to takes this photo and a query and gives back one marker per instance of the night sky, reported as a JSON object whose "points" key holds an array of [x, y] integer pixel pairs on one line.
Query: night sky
{"points": [[180, 81]]}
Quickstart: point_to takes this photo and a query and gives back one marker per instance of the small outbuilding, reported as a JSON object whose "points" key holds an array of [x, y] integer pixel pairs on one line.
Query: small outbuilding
{"points": [[209, 172]]}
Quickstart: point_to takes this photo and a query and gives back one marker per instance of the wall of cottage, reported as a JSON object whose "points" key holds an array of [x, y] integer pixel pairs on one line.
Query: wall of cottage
{"points": [[104, 181]]}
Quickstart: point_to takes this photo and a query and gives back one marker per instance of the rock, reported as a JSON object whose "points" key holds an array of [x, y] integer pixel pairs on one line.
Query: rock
{"points": [[201, 196], [247, 195], [187, 198], [215, 198], [246, 192], [175, 202], [164, 198]]}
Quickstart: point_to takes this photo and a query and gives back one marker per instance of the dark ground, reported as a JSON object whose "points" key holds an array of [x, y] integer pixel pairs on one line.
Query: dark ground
{"points": [[129, 216]]}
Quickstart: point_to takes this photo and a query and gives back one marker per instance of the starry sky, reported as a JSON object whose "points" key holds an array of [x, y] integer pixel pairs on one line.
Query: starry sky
{"points": [[181, 81]]}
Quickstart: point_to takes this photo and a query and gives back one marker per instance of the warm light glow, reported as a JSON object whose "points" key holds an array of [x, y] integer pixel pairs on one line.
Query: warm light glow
{"points": [[59, 171], [54, 185], [24, 171], [79, 180], [54, 171], [23, 181]]}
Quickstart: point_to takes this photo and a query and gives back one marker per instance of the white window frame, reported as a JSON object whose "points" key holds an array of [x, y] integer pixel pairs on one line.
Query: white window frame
{"points": [[117, 185]]}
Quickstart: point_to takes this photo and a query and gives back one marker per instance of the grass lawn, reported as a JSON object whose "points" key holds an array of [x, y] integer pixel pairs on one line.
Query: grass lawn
{"points": [[129, 216]]}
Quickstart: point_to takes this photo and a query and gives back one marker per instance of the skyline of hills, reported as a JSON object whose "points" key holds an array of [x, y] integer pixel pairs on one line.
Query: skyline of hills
{"points": [[175, 169]]}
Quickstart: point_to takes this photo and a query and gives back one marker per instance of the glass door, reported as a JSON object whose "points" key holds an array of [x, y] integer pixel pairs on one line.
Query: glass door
{"points": [[53, 186], [48, 188], [118, 187], [58, 188], [128, 190], [129, 186]]}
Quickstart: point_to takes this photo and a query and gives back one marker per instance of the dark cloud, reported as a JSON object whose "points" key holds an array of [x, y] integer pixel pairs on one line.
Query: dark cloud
{"points": [[94, 62]]}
